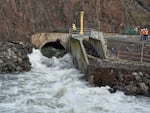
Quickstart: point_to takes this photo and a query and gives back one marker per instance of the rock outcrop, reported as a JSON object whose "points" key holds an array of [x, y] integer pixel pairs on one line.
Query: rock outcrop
{"points": [[13, 57]]}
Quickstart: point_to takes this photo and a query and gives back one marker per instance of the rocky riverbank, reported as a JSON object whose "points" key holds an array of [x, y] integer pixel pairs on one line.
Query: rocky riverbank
{"points": [[133, 79], [13, 57]]}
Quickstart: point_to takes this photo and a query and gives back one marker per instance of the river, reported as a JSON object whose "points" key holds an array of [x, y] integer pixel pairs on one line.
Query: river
{"points": [[55, 86]]}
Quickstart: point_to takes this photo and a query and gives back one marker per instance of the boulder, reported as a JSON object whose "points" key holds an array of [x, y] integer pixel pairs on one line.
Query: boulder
{"points": [[13, 57], [144, 89], [131, 89]]}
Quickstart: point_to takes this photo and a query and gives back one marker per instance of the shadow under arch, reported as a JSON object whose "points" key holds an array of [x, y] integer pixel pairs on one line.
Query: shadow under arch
{"points": [[50, 49]]}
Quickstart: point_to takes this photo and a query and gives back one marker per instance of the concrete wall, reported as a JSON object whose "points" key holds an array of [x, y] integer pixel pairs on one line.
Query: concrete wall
{"points": [[96, 43], [100, 36], [79, 55], [40, 39]]}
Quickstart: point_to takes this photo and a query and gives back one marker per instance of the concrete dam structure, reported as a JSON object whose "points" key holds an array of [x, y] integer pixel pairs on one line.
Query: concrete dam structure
{"points": [[91, 44], [91, 57], [101, 68]]}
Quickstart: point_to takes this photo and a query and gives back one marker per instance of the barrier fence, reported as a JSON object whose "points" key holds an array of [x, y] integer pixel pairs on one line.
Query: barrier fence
{"points": [[143, 56]]}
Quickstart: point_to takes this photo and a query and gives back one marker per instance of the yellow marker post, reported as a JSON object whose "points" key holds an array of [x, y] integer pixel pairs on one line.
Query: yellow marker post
{"points": [[81, 22]]}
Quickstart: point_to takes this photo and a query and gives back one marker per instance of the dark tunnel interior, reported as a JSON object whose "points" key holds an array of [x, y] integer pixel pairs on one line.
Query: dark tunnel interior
{"points": [[51, 49], [55, 45]]}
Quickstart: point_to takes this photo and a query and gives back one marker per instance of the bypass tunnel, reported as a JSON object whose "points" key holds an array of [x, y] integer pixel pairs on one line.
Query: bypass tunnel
{"points": [[51, 44], [51, 49]]}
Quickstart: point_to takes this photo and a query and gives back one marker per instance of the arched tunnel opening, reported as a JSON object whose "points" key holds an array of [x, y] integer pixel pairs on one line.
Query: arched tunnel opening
{"points": [[51, 49]]}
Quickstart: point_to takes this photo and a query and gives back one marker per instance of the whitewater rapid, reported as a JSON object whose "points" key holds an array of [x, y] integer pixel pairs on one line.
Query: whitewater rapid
{"points": [[55, 86]]}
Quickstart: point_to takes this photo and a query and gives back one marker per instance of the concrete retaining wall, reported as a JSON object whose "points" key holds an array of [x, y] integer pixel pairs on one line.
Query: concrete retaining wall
{"points": [[100, 36], [79, 55], [96, 43]]}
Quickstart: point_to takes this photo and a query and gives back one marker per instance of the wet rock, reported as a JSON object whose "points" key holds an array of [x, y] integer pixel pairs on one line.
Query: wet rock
{"points": [[19, 69], [141, 74], [138, 78], [128, 77], [131, 90], [147, 75], [134, 74], [119, 86], [120, 77], [146, 81], [13, 57], [112, 90], [143, 89]]}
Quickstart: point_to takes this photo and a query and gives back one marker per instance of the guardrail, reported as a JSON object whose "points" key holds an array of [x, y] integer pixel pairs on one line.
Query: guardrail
{"points": [[87, 31], [134, 56]]}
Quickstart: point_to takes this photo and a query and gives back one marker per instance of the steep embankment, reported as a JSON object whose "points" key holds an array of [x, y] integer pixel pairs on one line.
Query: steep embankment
{"points": [[145, 4], [21, 18], [136, 13]]}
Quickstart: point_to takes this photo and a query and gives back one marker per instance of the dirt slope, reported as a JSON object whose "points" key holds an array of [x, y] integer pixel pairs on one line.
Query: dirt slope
{"points": [[21, 18]]}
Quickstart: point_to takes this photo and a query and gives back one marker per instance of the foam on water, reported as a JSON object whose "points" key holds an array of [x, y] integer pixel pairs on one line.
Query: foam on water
{"points": [[54, 86]]}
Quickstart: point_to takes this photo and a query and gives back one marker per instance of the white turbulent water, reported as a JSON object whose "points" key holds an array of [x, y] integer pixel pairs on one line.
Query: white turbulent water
{"points": [[55, 86]]}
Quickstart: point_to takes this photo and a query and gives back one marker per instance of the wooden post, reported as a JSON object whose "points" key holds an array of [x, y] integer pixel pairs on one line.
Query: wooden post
{"points": [[142, 52], [118, 54]]}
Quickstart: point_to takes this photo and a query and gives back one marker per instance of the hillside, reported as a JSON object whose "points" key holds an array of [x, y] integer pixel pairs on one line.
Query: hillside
{"points": [[21, 18]]}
